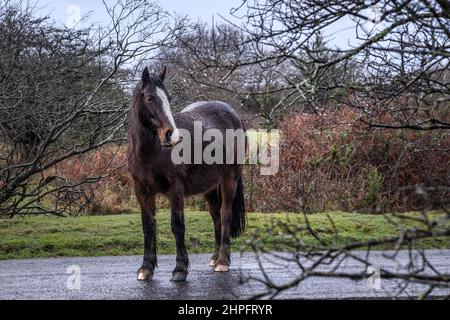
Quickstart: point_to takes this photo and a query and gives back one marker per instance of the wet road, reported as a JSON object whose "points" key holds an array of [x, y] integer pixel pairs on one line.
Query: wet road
{"points": [[115, 278]]}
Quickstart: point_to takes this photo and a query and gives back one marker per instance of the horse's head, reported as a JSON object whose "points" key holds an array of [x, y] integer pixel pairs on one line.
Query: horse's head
{"points": [[155, 106]]}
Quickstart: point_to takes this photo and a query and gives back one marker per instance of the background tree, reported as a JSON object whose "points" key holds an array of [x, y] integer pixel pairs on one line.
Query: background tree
{"points": [[400, 51], [65, 92]]}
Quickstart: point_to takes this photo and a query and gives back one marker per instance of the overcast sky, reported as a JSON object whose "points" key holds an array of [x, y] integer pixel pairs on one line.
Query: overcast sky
{"points": [[196, 9], [63, 10]]}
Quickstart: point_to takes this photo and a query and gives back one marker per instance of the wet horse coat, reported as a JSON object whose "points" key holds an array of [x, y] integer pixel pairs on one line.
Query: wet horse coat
{"points": [[152, 133]]}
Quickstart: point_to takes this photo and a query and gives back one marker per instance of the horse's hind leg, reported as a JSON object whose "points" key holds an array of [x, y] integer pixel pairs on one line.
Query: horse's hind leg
{"points": [[228, 189], [177, 212], [213, 200]]}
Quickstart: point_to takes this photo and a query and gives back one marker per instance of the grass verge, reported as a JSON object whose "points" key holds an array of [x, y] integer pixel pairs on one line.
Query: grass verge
{"points": [[49, 236]]}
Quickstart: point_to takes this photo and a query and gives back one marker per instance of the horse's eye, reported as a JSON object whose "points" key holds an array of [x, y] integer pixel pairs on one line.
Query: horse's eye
{"points": [[150, 99]]}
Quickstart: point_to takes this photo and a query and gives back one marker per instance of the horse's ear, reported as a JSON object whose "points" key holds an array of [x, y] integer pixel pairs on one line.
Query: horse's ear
{"points": [[145, 76], [162, 75]]}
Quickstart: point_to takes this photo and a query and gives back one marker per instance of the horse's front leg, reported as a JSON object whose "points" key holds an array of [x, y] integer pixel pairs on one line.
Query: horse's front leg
{"points": [[177, 212], [148, 210]]}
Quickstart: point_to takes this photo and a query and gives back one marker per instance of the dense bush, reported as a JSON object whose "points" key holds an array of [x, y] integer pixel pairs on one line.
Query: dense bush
{"points": [[330, 161], [113, 193], [110, 193], [334, 162]]}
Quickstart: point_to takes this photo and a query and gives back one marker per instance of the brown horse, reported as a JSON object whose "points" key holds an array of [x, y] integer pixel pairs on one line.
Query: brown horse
{"points": [[153, 132]]}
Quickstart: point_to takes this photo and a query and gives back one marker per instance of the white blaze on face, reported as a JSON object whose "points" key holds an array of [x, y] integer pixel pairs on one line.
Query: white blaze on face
{"points": [[166, 108]]}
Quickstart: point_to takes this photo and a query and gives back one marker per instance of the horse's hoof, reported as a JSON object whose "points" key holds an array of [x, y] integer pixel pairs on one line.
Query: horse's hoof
{"points": [[221, 268], [212, 263], [144, 274], [178, 276]]}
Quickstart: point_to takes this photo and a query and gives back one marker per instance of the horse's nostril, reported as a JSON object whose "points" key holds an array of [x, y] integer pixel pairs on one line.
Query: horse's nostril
{"points": [[168, 136]]}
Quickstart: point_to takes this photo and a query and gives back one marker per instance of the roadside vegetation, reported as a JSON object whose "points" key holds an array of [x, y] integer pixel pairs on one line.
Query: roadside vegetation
{"points": [[51, 236]]}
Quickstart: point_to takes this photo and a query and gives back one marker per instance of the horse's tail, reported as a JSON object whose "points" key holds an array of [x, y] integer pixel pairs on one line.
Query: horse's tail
{"points": [[238, 216], [238, 221]]}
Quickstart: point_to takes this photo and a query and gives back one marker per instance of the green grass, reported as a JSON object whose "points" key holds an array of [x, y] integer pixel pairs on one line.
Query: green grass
{"points": [[49, 236]]}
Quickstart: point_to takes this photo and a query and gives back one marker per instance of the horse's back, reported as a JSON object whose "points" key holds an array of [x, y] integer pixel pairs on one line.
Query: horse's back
{"points": [[208, 106], [212, 114]]}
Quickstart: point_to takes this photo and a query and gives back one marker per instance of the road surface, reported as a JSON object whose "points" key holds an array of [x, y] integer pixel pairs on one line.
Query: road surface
{"points": [[115, 278]]}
